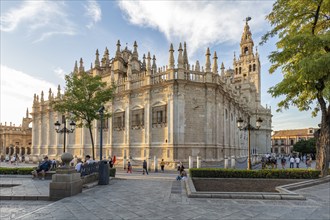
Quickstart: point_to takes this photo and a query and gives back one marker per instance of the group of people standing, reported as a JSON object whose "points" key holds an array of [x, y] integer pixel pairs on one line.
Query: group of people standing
{"points": [[145, 167], [296, 160]]}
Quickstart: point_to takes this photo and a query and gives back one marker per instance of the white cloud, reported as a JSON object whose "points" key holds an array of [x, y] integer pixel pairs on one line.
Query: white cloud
{"points": [[199, 23], [46, 18], [93, 11], [17, 90], [60, 72]]}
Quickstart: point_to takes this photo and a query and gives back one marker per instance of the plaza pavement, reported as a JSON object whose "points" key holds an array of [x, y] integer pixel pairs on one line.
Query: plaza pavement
{"points": [[160, 196]]}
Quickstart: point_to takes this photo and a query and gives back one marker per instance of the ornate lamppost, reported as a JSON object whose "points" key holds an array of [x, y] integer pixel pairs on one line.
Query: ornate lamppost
{"points": [[64, 130], [249, 127]]}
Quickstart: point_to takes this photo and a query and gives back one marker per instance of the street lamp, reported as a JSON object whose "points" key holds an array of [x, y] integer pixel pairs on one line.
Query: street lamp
{"points": [[64, 130], [101, 111], [249, 127]]}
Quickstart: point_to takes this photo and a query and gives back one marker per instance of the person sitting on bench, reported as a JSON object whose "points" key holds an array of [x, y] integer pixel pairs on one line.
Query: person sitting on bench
{"points": [[43, 168]]}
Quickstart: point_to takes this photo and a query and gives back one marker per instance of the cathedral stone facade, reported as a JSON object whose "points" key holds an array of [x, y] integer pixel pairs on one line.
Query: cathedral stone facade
{"points": [[16, 140], [172, 112]]}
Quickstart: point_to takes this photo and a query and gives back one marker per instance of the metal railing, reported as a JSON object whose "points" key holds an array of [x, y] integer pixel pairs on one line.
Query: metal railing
{"points": [[87, 169]]}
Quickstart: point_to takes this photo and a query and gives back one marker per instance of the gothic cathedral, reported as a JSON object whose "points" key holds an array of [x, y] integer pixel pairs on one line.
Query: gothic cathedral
{"points": [[172, 112]]}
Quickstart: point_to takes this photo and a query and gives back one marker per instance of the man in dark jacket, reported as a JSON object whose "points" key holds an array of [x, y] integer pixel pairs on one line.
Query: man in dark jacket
{"points": [[43, 168], [144, 165]]}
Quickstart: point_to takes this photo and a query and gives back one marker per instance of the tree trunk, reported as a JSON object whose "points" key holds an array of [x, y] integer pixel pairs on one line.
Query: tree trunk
{"points": [[92, 140], [323, 145]]}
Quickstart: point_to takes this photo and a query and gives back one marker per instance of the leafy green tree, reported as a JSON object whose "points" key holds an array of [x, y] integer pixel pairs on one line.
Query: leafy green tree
{"points": [[83, 97], [305, 146], [303, 55]]}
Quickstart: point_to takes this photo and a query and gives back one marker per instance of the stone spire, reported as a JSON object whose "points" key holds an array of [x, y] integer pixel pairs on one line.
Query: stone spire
{"points": [[215, 63], [222, 69], [81, 66], [171, 58], [154, 66], [75, 69], [197, 66], [144, 62], [97, 60], [34, 99], [234, 56], [185, 56], [135, 53], [208, 61], [58, 91], [27, 113], [106, 57], [118, 49], [180, 57], [50, 94], [148, 62], [42, 96]]}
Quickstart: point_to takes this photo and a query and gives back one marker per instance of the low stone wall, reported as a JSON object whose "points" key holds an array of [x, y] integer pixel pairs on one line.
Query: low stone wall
{"points": [[90, 178], [192, 193]]}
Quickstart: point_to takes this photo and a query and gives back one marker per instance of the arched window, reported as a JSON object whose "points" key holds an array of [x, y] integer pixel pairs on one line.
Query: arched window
{"points": [[246, 50], [240, 70], [236, 71], [250, 68], [254, 67]]}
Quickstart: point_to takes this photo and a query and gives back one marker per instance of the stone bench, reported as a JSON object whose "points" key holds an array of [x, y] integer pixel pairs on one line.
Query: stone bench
{"points": [[48, 174]]}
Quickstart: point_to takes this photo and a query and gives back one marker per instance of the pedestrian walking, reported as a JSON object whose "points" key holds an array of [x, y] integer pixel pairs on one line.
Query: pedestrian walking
{"points": [[292, 162], [145, 167], [297, 160], [162, 165], [129, 167]]}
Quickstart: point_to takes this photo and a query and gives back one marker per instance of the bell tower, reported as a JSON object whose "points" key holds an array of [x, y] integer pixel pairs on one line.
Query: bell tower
{"points": [[247, 66]]}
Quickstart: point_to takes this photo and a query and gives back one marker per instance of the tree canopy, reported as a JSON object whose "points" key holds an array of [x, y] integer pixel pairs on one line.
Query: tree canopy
{"points": [[305, 146], [303, 57], [83, 97]]}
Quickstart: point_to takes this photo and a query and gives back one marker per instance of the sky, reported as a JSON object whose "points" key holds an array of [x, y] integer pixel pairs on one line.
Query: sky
{"points": [[41, 40]]}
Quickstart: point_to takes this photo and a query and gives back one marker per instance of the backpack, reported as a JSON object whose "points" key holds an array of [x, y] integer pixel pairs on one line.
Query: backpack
{"points": [[283, 160]]}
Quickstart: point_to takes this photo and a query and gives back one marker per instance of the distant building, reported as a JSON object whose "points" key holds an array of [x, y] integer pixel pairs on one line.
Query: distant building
{"points": [[172, 112], [283, 140], [16, 139]]}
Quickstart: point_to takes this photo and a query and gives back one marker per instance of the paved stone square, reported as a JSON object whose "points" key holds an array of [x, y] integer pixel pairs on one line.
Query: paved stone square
{"points": [[160, 196]]}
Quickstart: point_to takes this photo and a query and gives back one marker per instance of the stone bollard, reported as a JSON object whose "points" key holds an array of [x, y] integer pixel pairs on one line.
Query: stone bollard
{"points": [[124, 163], [66, 182], [226, 163], [155, 164], [191, 162], [233, 162], [199, 162]]}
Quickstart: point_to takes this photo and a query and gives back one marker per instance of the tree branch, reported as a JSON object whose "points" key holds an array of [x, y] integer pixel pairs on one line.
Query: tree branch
{"points": [[316, 16]]}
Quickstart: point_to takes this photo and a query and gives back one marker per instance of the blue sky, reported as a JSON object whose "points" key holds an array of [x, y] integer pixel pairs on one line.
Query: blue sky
{"points": [[40, 41]]}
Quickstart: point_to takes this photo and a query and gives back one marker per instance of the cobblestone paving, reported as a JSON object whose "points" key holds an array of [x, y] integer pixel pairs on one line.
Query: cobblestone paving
{"points": [[159, 196]]}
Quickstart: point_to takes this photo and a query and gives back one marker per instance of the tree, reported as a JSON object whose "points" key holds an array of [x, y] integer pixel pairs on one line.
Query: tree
{"points": [[305, 146], [83, 96], [303, 55]]}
